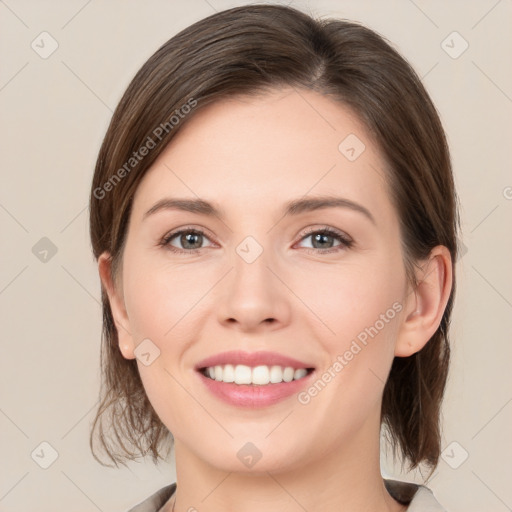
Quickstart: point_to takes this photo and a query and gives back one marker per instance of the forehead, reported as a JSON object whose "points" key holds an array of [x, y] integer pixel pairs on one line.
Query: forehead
{"points": [[254, 151]]}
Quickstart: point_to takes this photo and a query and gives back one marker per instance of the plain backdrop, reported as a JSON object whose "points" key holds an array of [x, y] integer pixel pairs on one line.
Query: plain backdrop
{"points": [[56, 100]]}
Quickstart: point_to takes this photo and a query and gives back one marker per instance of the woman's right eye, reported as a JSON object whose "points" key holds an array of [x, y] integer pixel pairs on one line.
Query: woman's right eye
{"points": [[189, 239]]}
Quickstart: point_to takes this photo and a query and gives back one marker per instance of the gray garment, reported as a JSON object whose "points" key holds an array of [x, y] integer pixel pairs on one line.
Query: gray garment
{"points": [[418, 497], [156, 501]]}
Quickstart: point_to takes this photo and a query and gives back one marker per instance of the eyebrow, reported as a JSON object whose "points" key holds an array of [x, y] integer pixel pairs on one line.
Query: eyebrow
{"points": [[295, 207]]}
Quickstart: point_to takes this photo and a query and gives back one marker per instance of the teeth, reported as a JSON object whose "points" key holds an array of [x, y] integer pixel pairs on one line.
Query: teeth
{"points": [[301, 372], [228, 373], [243, 374], [259, 375], [288, 374]]}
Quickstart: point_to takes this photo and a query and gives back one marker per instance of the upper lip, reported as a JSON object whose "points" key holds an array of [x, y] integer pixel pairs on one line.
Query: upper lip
{"points": [[252, 359]]}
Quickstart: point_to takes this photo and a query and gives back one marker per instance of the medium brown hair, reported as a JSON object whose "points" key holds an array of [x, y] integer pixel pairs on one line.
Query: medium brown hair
{"points": [[246, 51]]}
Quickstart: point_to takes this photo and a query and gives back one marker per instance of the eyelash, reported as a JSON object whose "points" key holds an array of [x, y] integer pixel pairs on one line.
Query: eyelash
{"points": [[346, 243]]}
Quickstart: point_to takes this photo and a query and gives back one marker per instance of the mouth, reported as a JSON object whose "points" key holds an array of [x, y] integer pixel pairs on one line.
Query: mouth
{"points": [[253, 379], [261, 375]]}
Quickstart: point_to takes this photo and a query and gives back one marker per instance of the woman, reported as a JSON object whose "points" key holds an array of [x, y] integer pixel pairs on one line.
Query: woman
{"points": [[242, 146]]}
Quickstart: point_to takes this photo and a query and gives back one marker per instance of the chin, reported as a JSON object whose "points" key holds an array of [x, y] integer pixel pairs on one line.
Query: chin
{"points": [[246, 457]]}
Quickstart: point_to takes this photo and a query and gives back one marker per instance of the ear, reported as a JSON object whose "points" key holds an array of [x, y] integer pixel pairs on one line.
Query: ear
{"points": [[424, 307], [117, 306]]}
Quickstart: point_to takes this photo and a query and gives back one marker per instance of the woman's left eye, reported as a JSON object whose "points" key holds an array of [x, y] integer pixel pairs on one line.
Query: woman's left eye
{"points": [[323, 238], [191, 240]]}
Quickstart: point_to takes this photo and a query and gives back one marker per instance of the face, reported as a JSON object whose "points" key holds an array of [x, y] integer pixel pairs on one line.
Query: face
{"points": [[322, 284]]}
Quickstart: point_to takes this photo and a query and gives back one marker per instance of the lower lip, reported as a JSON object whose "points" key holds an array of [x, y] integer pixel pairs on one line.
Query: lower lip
{"points": [[245, 395]]}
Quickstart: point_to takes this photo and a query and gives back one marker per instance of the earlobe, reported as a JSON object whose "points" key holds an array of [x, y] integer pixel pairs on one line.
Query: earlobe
{"points": [[425, 306], [117, 306]]}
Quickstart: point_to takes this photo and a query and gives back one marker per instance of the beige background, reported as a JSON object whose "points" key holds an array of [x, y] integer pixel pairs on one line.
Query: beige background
{"points": [[55, 111]]}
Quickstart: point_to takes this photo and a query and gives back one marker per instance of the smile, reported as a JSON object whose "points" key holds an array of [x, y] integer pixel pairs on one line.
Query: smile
{"points": [[253, 379], [257, 376]]}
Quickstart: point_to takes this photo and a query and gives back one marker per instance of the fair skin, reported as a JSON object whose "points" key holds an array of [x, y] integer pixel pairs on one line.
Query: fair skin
{"points": [[250, 156]]}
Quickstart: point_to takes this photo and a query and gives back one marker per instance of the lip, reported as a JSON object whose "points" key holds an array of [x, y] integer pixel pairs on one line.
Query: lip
{"points": [[249, 395], [252, 359]]}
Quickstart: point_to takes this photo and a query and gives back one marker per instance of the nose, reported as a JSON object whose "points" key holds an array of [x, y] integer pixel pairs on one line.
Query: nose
{"points": [[252, 296]]}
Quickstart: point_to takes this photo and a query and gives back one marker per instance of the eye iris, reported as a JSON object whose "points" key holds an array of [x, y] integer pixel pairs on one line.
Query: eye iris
{"points": [[320, 237], [189, 238]]}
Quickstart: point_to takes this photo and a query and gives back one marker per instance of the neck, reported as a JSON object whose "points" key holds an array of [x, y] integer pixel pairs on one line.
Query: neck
{"points": [[346, 478]]}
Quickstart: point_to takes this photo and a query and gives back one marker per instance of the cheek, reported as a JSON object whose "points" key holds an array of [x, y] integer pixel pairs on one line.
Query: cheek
{"points": [[359, 312], [348, 300], [163, 305], [159, 298]]}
